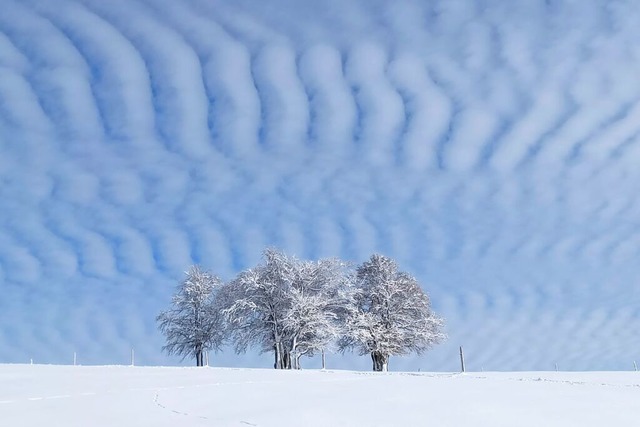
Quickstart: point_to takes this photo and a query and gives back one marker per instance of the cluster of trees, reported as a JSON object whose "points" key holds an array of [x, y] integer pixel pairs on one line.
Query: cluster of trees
{"points": [[297, 308]]}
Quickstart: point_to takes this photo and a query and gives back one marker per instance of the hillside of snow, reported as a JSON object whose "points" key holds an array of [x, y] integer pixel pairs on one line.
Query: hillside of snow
{"points": [[43, 395]]}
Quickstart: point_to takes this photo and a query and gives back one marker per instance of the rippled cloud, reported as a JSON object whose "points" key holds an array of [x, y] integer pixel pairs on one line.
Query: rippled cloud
{"points": [[491, 147]]}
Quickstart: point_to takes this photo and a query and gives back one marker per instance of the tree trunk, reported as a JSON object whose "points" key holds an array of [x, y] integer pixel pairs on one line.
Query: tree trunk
{"points": [[324, 366], [199, 356], [297, 361], [282, 357], [276, 355], [275, 359], [380, 361], [286, 360], [293, 354]]}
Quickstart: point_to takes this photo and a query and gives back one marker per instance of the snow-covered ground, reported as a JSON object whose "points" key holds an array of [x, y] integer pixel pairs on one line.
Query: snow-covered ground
{"points": [[153, 396]]}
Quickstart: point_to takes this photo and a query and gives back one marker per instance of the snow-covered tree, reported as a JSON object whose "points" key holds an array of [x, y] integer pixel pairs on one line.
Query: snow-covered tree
{"points": [[393, 315], [194, 323], [287, 306], [317, 300], [257, 304]]}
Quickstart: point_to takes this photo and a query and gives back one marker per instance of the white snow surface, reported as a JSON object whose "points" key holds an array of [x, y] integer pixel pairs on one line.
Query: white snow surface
{"points": [[44, 395]]}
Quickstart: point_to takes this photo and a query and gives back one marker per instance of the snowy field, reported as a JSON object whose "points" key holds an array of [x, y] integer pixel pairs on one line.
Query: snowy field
{"points": [[154, 396]]}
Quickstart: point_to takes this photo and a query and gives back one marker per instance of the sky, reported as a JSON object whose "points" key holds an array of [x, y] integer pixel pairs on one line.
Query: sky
{"points": [[490, 147]]}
